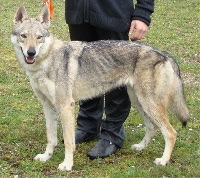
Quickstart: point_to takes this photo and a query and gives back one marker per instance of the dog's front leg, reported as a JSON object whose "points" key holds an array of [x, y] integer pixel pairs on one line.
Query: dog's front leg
{"points": [[51, 126], [68, 126]]}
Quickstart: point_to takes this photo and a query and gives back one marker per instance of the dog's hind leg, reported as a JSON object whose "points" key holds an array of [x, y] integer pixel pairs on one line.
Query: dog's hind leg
{"points": [[150, 127], [150, 131], [51, 126], [66, 112], [169, 135], [162, 120], [157, 112]]}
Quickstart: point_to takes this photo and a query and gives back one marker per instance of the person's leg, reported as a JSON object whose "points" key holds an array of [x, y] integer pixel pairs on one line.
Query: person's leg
{"points": [[91, 111], [117, 107], [82, 32]]}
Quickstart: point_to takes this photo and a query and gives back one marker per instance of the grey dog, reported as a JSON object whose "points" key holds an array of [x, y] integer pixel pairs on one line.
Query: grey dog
{"points": [[61, 73]]}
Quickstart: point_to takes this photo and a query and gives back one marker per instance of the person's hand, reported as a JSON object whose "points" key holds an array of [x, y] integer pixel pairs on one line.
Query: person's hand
{"points": [[137, 30]]}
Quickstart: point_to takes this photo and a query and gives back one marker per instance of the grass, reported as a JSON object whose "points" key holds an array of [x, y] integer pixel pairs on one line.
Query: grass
{"points": [[174, 28]]}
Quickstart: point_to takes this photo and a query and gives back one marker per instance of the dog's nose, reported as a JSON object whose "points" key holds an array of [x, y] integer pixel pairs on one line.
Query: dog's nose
{"points": [[31, 52]]}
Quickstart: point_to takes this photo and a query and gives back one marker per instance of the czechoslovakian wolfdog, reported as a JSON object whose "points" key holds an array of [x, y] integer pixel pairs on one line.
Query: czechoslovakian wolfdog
{"points": [[61, 73]]}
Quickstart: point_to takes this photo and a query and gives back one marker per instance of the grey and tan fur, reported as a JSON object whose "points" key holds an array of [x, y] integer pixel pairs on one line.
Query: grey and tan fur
{"points": [[61, 73]]}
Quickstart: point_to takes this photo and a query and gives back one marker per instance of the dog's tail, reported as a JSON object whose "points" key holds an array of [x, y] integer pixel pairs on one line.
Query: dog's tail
{"points": [[178, 104], [179, 107]]}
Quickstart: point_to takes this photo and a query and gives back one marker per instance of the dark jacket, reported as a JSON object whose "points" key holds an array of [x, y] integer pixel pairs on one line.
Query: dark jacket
{"points": [[114, 15]]}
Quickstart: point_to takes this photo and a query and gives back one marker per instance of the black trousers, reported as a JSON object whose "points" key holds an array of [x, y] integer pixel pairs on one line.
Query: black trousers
{"points": [[117, 103]]}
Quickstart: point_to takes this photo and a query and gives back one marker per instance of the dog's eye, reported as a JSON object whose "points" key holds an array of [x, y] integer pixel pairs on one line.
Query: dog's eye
{"points": [[39, 37], [23, 35]]}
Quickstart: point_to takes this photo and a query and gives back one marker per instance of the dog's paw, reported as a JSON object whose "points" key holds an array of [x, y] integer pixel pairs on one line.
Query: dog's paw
{"points": [[137, 147], [65, 167], [160, 162], [42, 157]]}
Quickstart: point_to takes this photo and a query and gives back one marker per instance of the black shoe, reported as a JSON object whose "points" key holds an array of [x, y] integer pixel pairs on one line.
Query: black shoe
{"points": [[82, 136], [102, 149]]}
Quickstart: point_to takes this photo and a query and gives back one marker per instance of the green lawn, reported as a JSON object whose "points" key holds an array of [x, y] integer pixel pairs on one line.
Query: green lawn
{"points": [[175, 28]]}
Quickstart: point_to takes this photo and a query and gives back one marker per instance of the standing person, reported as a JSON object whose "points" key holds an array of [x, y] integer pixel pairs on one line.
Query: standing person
{"points": [[92, 20]]}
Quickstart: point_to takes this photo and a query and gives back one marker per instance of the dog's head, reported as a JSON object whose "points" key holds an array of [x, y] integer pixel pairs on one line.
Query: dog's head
{"points": [[29, 34]]}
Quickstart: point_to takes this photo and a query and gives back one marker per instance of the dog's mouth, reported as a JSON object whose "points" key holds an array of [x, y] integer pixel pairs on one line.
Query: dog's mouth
{"points": [[29, 60]]}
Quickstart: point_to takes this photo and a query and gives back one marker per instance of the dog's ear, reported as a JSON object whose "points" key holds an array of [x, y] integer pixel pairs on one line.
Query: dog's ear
{"points": [[20, 15], [44, 16]]}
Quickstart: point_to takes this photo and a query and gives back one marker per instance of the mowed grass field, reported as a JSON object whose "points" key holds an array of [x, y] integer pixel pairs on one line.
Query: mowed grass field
{"points": [[175, 28]]}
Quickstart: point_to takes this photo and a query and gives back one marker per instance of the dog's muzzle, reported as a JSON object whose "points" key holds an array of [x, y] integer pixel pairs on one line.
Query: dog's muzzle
{"points": [[30, 59]]}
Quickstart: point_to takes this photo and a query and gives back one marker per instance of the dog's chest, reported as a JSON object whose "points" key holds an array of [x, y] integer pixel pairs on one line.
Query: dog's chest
{"points": [[43, 88]]}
